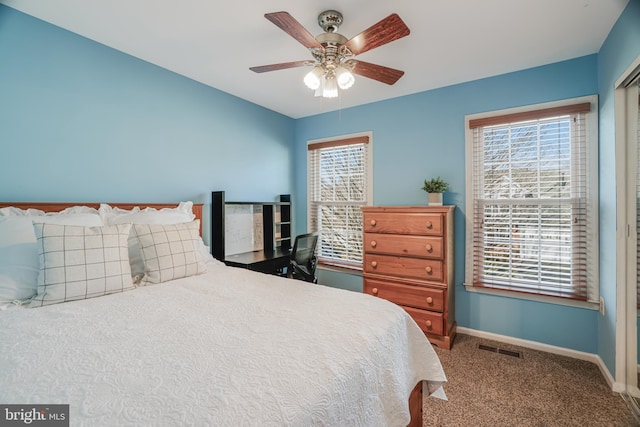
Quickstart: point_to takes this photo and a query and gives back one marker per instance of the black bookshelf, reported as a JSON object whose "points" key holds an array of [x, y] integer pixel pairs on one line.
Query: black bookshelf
{"points": [[276, 218]]}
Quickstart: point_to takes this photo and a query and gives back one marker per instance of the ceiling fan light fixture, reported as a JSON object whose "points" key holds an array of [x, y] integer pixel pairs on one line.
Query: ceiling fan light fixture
{"points": [[330, 87], [344, 77], [314, 78], [320, 90]]}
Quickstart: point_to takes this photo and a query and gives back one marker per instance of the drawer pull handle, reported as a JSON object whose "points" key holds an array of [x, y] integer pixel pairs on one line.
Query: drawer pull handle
{"points": [[374, 243], [374, 264], [429, 224], [428, 324], [374, 291], [429, 300], [429, 248], [428, 269], [373, 222]]}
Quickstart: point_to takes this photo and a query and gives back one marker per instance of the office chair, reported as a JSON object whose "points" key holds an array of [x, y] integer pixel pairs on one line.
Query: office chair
{"points": [[302, 264]]}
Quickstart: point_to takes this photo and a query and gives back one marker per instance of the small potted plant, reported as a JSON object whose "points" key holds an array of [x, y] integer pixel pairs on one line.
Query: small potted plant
{"points": [[434, 188]]}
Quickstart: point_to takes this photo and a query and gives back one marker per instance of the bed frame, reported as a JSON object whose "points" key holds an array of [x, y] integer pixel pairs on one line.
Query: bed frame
{"points": [[415, 399], [415, 406]]}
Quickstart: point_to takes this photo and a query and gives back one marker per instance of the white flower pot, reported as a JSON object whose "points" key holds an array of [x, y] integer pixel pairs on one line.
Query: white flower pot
{"points": [[434, 199]]}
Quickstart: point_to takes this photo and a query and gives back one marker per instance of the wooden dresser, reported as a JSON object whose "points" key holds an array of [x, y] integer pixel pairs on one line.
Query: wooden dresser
{"points": [[408, 259]]}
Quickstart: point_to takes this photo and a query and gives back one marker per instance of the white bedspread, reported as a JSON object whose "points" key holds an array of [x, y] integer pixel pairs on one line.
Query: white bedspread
{"points": [[228, 348]]}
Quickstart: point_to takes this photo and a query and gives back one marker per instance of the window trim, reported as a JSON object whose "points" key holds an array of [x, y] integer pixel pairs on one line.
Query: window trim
{"points": [[592, 166], [335, 141]]}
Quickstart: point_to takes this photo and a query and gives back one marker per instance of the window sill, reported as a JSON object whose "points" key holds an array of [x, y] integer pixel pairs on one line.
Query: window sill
{"points": [[536, 298]]}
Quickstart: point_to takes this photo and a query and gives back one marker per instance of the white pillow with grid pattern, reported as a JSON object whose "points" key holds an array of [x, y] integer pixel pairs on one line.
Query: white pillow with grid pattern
{"points": [[18, 252], [81, 262], [114, 215], [169, 251]]}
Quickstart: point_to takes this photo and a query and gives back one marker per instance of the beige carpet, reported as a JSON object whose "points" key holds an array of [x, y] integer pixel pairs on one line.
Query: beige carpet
{"points": [[489, 388]]}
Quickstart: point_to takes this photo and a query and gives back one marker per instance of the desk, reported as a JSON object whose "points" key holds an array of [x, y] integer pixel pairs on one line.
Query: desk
{"points": [[270, 262]]}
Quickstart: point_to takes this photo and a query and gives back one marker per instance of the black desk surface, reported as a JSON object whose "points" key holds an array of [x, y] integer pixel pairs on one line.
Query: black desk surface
{"points": [[248, 258]]}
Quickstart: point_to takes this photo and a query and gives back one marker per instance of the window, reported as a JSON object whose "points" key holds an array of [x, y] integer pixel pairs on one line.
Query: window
{"points": [[532, 200], [339, 183]]}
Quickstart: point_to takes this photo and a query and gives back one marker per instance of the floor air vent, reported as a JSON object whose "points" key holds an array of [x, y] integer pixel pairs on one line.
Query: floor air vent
{"points": [[504, 351], [488, 348]]}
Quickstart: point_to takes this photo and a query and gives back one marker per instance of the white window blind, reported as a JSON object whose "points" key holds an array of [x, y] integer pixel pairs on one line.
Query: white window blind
{"points": [[532, 211], [339, 185]]}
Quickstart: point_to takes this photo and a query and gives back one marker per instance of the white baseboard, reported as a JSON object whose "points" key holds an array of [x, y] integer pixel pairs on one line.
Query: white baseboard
{"points": [[534, 345]]}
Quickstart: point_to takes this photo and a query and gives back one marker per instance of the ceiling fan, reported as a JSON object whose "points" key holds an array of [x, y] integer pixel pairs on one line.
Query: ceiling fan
{"points": [[334, 63]]}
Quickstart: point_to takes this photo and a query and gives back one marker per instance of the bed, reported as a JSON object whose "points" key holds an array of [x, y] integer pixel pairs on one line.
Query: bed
{"points": [[198, 343]]}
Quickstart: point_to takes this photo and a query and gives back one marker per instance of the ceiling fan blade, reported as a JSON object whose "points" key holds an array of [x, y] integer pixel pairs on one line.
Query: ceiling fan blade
{"points": [[389, 29], [376, 72], [281, 66], [292, 27]]}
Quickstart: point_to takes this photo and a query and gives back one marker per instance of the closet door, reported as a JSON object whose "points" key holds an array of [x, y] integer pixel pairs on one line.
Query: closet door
{"points": [[626, 99], [632, 112]]}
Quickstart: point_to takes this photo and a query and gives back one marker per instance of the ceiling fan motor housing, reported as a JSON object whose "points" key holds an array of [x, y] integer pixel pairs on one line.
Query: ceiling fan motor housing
{"points": [[332, 42], [330, 20], [334, 51], [331, 38]]}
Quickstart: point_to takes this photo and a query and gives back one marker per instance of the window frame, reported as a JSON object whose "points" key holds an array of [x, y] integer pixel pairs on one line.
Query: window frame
{"points": [[328, 263], [592, 198]]}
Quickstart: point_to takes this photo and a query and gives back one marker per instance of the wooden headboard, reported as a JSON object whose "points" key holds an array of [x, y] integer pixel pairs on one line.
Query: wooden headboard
{"points": [[58, 206]]}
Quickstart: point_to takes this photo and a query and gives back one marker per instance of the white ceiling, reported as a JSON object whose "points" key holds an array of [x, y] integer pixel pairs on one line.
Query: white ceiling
{"points": [[451, 41]]}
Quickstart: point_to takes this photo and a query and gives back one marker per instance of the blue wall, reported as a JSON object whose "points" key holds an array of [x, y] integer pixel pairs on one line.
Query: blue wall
{"points": [[421, 136], [80, 121], [83, 122]]}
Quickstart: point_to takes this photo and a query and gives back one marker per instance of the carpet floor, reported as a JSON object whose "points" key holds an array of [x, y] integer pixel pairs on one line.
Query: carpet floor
{"points": [[495, 388]]}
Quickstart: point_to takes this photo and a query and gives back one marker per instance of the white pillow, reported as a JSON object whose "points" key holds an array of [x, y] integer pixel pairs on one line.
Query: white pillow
{"points": [[182, 213], [78, 219], [111, 216], [13, 211], [81, 262], [169, 251], [18, 259], [18, 251]]}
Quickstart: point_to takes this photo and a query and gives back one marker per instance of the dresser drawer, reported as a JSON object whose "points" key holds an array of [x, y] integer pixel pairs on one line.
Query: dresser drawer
{"points": [[398, 244], [407, 295], [417, 268], [428, 224], [432, 323]]}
